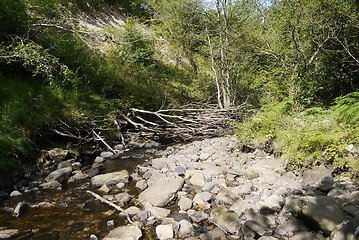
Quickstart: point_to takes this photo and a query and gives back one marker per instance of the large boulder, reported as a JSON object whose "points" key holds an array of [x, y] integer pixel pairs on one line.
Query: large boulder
{"points": [[161, 192], [226, 219], [322, 211], [58, 154], [130, 232], [110, 178], [348, 230], [59, 175]]}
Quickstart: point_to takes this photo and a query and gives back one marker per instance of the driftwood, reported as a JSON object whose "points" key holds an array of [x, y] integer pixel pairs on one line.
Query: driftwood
{"points": [[110, 203], [182, 124]]}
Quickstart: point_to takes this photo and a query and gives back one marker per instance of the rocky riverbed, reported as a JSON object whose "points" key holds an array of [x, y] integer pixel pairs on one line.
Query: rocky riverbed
{"points": [[208, 190]]}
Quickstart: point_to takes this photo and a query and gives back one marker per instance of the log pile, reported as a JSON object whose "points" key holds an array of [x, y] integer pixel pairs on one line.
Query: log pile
{"points": [[182, 124]]}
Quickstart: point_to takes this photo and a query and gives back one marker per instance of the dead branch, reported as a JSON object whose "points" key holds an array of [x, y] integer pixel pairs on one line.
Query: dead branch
{"points": [[109, 203], [103, 141]]}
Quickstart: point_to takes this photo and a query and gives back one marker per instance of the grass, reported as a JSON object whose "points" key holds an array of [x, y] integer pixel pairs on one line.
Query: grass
{"points": [[306, 138]]}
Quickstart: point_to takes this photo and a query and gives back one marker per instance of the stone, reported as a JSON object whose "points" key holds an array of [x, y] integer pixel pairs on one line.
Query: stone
{"points": [[161, 192], [123, 198], [164, 232], [65, 164], [202, 196], [79, 175], [93, 237], [157, 212], [274, 202], [303, 236], [111, 224], [104, 189], [174, 223], [51, 184], [99, 159], [6, 233], [185, 203], [120, 185], [185, 229], [240, 206], [209, 187], [181, 171], [314, 176], [152, 144], [197, 216], [135, 144], [132, 232], [132, 211], [110, 178], [226, 219], [348, 230], [119, 147], [142, 215], [225, 196], [215, 234], [198, 180], [106, 155], [15, 193], [147, 175], [59, 175], [258, 228], [142, 185], [352, 210], [58, 154], [20, 209], [321, 210]]}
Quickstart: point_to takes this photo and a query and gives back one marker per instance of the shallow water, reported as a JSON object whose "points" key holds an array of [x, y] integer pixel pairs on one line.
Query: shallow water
{"points": [[76, 214]]}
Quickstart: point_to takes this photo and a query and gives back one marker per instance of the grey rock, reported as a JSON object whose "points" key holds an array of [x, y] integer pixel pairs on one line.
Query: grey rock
{"points": [[106, 155], [164, 232], [348, 230], [58, 154], [157, 212], [147, 175], [20, 209], [142, 215], [202, 197], [132, 211], [198, 180], [51, 184], [59, 175], [303, 236], [110, 178], [225, 196], [93, 237], [132, 232], [258, 228], [322, 210], [209, 187], [181, 171], [119, 147], [185, 203], [161, 192], [111, 224], [352, 210], [65, 164], [185, 229], [120, 185], [174, 223], [79, 175], [313, 177], [76, 166], [142, 185], [215, 234], [15, 193], [152, 144], [274, 202], [104, 189], [226, 219], [99, 159], [123, 198], [6, 233], [197, 216]]}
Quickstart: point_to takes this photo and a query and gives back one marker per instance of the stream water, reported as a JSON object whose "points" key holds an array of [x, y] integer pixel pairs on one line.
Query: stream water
{"points": [[75, 214]]}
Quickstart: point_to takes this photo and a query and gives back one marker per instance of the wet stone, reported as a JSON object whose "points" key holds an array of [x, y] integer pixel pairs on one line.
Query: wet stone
{"points": [[142, 185]]}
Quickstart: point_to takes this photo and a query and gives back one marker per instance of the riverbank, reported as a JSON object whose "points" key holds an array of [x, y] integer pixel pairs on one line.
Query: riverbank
{"points": [[211, 189]]}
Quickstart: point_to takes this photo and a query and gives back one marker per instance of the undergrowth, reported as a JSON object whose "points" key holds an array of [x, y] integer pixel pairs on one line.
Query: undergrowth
{"points": [[307, 138]]}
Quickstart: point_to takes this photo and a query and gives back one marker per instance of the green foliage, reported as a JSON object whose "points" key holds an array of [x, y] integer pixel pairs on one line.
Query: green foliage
{"points": [[305, 138]]}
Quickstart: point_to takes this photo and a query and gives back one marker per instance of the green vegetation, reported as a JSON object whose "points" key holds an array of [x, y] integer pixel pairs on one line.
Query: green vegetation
{"points": [[310, 137], [83, 62]]}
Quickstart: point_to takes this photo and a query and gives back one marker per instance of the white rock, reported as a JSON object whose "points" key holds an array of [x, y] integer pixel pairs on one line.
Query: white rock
{"points": [[164, 232]]}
